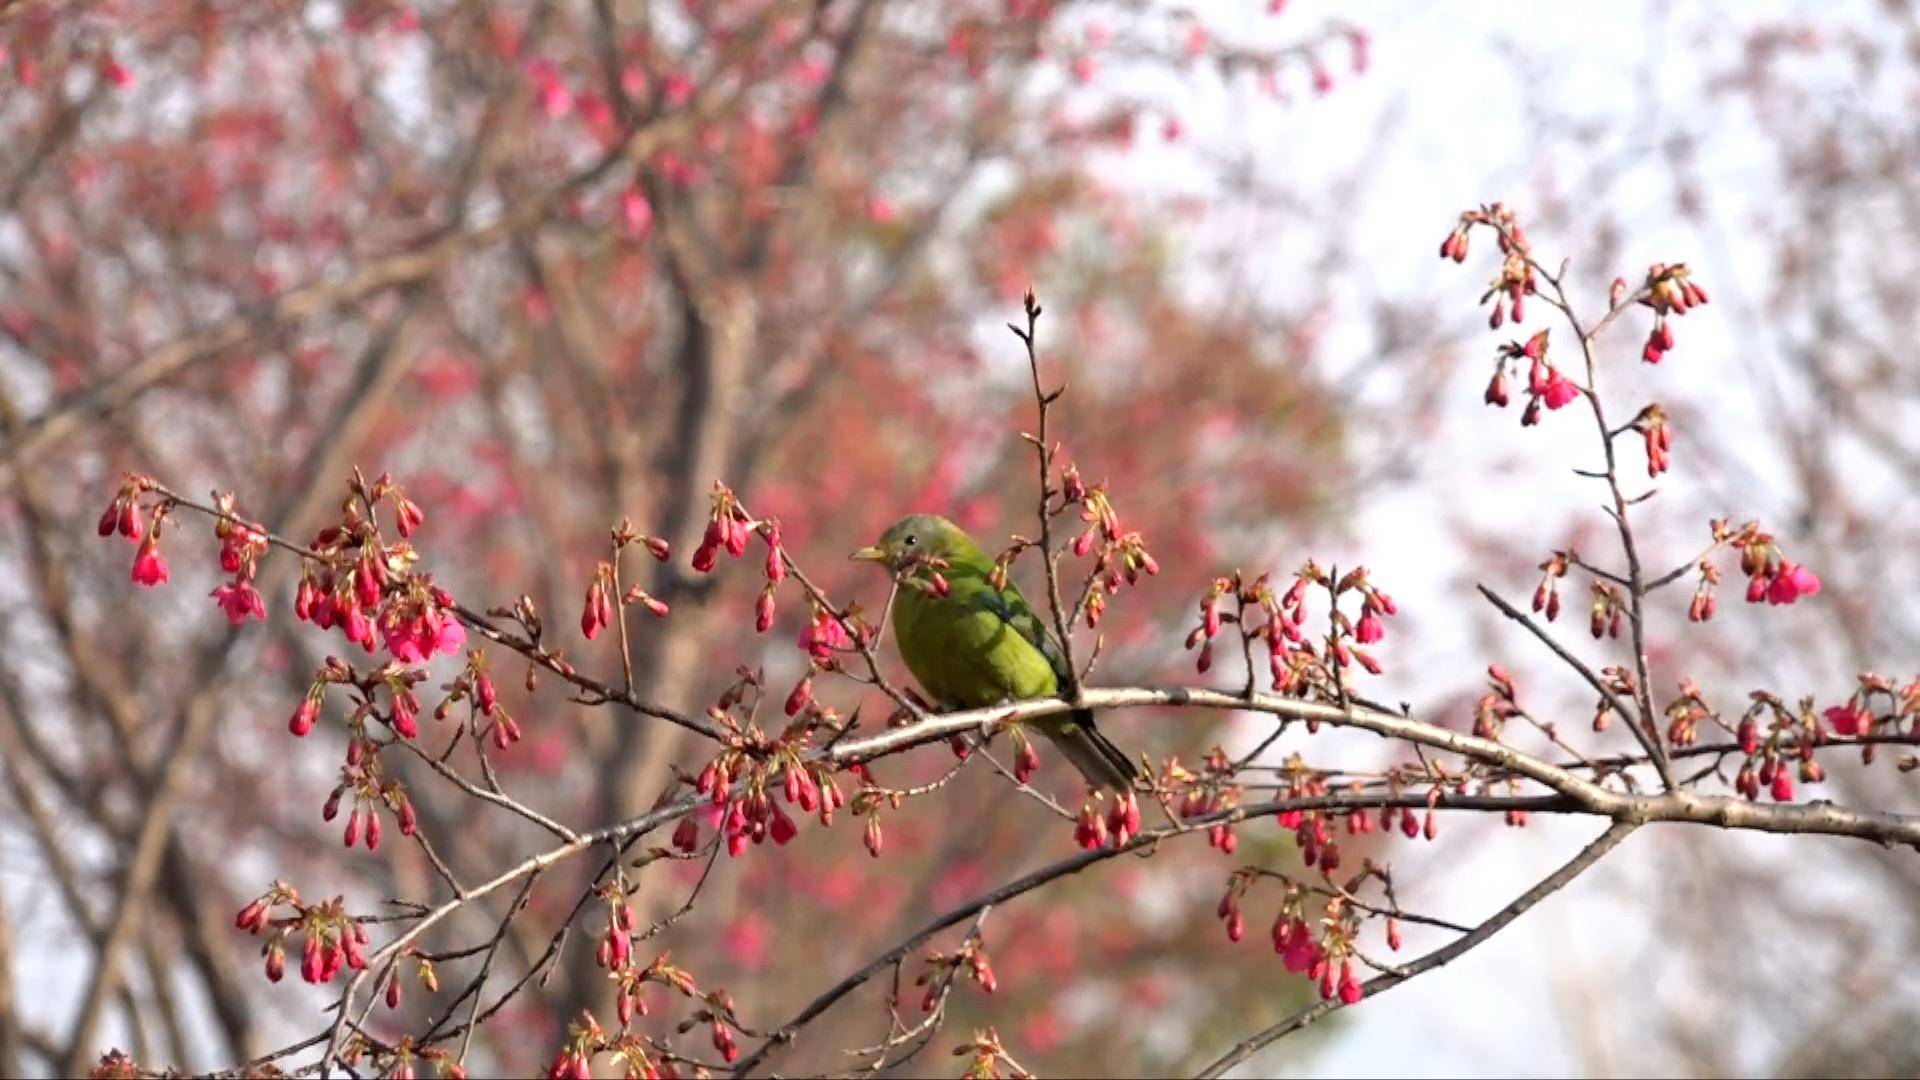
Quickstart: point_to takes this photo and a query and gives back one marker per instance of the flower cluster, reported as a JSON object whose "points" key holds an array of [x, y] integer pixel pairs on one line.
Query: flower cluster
{"points": [[1210, 791], [1325, 959], [1653, 427], [1292, 661], [728, 528], [1120, 555], [353, 579], [1546, 385], [330, 939], [739, 781], [1309, 827], [1100, 824], [1499, 704], [1515, 281], [943, 967], [1785, 748], [1669, 290], [361, 779], [123, 516]]}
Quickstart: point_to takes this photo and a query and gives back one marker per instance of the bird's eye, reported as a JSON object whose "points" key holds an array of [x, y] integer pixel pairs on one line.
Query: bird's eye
{"points": [[911, 540]]}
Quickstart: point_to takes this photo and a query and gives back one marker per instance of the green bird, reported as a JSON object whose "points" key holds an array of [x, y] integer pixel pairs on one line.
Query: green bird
{"points": [[981, 644]]}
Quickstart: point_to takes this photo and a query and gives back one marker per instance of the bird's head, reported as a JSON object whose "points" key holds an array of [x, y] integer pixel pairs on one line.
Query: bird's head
{"points": [[920, 537]]}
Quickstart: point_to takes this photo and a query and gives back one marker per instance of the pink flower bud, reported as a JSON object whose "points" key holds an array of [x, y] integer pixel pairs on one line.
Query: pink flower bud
{"points": [[781, 829], [304, 717], [1026, 762], [1497, 389], [1782, 786], [705, 556], [686, 835], [1350, 989], [801, 694], [252, 918]]}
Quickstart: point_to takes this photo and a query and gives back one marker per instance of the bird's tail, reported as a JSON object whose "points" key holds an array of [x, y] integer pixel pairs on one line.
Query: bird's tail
{"points": [[1101, 762]]}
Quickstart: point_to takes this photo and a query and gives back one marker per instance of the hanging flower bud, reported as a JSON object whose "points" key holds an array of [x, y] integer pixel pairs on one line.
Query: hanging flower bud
{"points": [[149, 568], [1026, 762], [304, 717]]}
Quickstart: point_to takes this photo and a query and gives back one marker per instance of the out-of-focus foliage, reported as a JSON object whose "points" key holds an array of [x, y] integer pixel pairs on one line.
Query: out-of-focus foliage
{"points": [[553, 264]]}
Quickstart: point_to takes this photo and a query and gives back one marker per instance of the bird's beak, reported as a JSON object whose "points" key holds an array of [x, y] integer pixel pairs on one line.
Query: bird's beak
{"points": [[869, 554]]}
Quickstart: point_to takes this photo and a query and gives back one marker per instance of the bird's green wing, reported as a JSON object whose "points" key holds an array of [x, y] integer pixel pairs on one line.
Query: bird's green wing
{"points": [[1013, 609]]}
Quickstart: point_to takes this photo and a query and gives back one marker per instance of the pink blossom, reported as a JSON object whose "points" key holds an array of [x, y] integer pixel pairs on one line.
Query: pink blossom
{"points": [[549, 89], [1849, 719], [1369, 630], [1792, 582], [451, 638], [241, 601], [635, 212], [1559, 391], [823, 636], [358, 628], [149, 568], [415, 640]]}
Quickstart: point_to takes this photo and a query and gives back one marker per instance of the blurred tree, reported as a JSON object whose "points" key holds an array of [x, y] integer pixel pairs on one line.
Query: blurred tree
{"points": [[553, 265]]}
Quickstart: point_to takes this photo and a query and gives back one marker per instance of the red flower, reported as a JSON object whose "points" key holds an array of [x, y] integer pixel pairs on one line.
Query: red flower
{"points": [[1559, 391], [822, 637], [1850, 719], [415, 640], [1791, 582], [240, 601], [149, 568]]}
